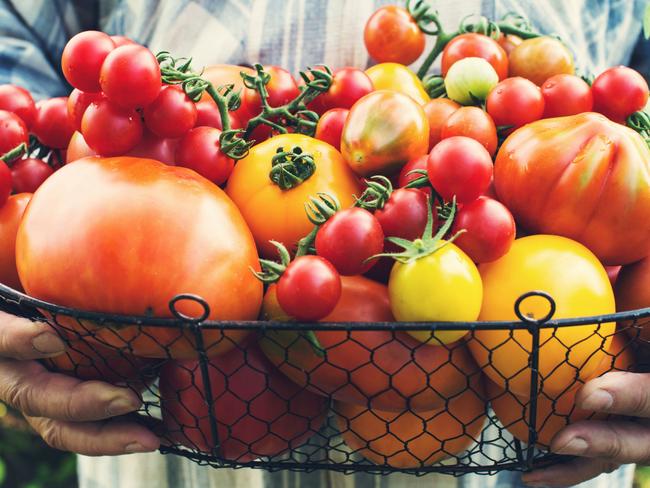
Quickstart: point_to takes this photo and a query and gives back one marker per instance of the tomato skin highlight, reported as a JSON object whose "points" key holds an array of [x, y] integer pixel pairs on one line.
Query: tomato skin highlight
{"points": [[392, 35], [474, 123], [474, 45], [619, 92], [330, 126], [83, 57], [111, 130], [566, 95], [19, 101]]}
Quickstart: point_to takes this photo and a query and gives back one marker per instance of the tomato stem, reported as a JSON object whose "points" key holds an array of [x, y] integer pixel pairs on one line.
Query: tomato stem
{"points": [[640, 122], [15, 153], [319, 210], [290, 168]]}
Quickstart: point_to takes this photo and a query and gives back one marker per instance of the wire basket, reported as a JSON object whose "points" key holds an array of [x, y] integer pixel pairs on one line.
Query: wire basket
{"points": [[365, 397]]}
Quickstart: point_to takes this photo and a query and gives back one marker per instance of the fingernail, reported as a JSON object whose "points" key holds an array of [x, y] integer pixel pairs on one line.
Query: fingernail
{"points": [[48, 343], [575, 446], [135, 447], [121, 405], [598, 400]]}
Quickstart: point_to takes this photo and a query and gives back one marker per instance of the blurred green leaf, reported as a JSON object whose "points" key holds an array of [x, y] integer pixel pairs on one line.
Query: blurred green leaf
{"points": [[646, 22]]}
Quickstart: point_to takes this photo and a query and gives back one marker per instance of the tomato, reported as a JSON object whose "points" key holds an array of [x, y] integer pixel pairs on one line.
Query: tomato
{"points": [[489, 229], [109, 129], [330, 126], [78, 102], [116, 270], [207, 115], [200, 150], [473, 45], [227, 74], [348, 86], [414, 439], [122, 41], [281, 88], [19, 101], [397, 77], [130, 76], [470, 80], [515, 102], [28, 174], [632, 292], [383, 131], [258, 411], [566, 95], [406, 175], [13, 132], [539, 58], [438, 110], [582, 177], [5, 182], [10, 214], [579, 285], [348, 239], [392, 35], [612, 273], [379, 368], [150, 147], [273, 213], [460, 167], [404, 214], [53, 126], [83, 57], [619, 92], [309, 288], [172, 114], [509, 42], [474, 123]]}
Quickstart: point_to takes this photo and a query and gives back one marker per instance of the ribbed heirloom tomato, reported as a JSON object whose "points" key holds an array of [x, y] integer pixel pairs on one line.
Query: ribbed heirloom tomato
{"points": [[99, 231]]}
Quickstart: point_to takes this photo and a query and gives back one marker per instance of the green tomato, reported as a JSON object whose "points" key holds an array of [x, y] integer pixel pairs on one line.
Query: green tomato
{"points": [[469, 80], [442, 286]]}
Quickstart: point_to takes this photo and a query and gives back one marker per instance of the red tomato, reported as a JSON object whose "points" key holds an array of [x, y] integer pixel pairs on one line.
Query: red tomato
{"points": [[13, 132], [200, 150], [404, 214], [122, 41], [28, 174], [172, 114], [474, 123], [330, 126], [632, 291], [460, 167], [153, 147], [19, 101], [612, 273], [619, 92], [348, 239], [282, 88], [509, 42], [207, 115], [489, 229], [392, 35], [53, 126], [309, 288], [78, 102], [473, 45], [93, 206], [348, 86], [83, 57], [405, 177], [258, 411], [5, 182], [438, 110], [515, 102], [130, 76], [566, 94], [111, 130], [228, 74], [11, 213]]}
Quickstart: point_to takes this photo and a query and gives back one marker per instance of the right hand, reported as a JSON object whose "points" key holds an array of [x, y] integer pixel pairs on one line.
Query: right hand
{"points": [[70, 414]]}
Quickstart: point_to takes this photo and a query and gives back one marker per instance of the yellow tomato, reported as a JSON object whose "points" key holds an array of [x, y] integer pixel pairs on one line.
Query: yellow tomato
{"points": [[443, 286], [578, 283], [397, 77], [273, 213]]}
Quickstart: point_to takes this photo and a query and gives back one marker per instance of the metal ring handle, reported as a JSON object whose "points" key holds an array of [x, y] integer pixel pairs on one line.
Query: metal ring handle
{"points": [[529, 320], [192, 298]]}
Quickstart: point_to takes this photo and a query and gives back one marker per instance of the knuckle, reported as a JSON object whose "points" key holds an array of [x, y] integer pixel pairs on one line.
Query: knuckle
{"points": [[612, 445], [639, 402], [52, 434]]}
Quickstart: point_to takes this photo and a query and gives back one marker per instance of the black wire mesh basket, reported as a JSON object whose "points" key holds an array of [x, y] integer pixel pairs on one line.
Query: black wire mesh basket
{"points": [[368, 397]]}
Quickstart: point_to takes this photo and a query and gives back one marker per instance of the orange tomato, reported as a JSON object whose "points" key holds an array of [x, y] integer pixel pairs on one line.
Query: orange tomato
{"points": [[438, 111], [397, 77], [632, 290], [540, 58], [10, 215]]}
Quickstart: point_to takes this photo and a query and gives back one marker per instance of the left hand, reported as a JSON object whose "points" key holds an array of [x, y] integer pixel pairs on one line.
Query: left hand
{"points": [[602, 445]]}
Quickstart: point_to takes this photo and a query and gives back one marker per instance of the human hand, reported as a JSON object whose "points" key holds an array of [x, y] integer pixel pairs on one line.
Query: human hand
{"points": [[602, 445], [69, 414]]}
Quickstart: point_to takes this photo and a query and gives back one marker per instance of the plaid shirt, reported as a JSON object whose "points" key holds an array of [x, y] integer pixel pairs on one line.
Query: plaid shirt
{"points": [[294, 34]]}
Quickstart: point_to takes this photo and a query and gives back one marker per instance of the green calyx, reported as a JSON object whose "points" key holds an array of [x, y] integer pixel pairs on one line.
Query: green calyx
{"points": [[272, 270], [640, 122], [290, 168], [374, 197]]}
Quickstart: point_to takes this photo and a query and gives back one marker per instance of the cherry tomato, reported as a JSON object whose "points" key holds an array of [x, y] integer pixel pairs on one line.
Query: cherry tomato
{"points": [[207, 115], [566, 95], [405, 175], [282, 88], [330, 126], [78, 102], [348, 239], [438, 110], [489, 229], [348, 86], [474, 123], [619, 92], [111, 130], [404, 214], [153, 147], [539, 58], [475, 46], [83, 57], [172, 114], [122, 41], [5, 182], [309, 289], [130, 76], [13, 131], [28, 174], [19, 101], [515, 102], [392, 35], [508, 42], [460, 167], [53, 126], [200, 150]]}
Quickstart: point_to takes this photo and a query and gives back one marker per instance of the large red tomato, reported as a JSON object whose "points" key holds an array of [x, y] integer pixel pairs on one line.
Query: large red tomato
{"points": [[385, 369], [582, 177], [126, 235], [258, 411], [150, 147], [10, 214]]}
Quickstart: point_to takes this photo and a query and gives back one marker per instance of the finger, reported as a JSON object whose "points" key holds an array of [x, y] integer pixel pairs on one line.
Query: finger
{"points": [[23, 339], [617, 392], [35, 391], [619, 441], [569, 473], [105, 438]]}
